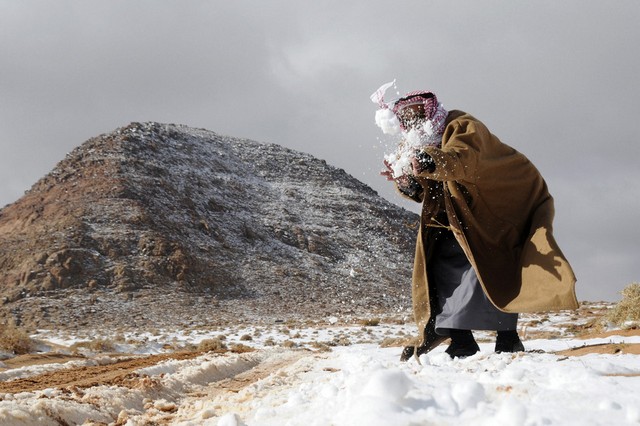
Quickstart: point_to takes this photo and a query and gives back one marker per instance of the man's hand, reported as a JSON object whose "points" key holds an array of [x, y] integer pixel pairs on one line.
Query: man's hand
{"points": [[422, 162], [403, 181], [406, 184], [389, 172]]}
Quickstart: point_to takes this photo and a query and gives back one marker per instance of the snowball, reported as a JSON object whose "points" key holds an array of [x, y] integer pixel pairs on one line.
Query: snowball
{"points": [[387, 121], [415, 139], [400, 160], [388, 384], [400, 163], [467, 394]]}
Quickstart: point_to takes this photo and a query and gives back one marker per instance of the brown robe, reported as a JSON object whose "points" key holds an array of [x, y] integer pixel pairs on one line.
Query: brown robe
{"points": [[501, 214]]}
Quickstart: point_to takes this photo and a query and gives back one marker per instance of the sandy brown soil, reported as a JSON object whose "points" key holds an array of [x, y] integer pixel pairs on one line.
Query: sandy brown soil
{"points": [[38, 359], [606, 348], [120, 373], [602, 335]]}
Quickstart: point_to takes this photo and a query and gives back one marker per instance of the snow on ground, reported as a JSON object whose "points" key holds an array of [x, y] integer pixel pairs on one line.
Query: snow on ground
{"points": [[367, 385], [353, 384]]}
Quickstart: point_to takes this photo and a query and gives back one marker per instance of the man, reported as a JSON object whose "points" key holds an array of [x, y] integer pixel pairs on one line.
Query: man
{"points": [[485, 249]]}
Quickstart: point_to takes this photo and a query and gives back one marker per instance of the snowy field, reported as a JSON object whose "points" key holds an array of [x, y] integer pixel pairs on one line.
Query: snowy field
{"points": [[284, 379]]}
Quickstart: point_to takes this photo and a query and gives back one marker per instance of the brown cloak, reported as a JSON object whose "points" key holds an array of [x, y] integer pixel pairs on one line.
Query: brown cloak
{"points": [[501, 213]]}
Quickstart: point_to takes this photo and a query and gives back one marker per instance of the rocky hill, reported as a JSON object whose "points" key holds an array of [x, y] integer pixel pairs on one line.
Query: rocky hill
{"points": [[165, 224]]}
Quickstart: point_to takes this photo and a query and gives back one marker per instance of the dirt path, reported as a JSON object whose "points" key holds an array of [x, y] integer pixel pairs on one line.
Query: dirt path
{"points": [[38, 359], [606, 348], [603, 348], [226, 394], [626, 333], [119, 373], [219, 376], [240, 381]]}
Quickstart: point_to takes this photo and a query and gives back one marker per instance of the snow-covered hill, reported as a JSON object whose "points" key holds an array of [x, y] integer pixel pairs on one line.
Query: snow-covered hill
{"points": [[220, 227]]}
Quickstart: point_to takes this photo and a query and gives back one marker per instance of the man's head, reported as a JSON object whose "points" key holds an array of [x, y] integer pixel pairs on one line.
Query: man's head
{"points": [[411, 116], [415, 108]]}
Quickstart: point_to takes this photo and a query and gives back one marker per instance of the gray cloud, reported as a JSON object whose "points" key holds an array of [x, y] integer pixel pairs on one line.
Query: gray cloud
{"points": [[558, 81]]}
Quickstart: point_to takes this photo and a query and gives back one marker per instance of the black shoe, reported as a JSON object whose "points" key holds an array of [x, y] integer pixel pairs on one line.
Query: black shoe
{"points": [[431, 340], [462, 344], [508, 341]]}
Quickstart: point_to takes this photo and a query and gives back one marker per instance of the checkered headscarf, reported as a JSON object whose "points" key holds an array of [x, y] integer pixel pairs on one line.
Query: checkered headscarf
{"points": [[433, 110]]}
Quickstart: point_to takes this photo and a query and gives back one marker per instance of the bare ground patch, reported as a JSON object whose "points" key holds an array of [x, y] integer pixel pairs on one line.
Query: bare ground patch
{"points": [[620, 332], [236, 383], [38, 359], [119, 373], [603, 348]]}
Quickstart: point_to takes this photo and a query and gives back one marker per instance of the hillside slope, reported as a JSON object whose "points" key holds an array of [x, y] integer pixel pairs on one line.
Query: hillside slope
{"points": [[214, 225]]}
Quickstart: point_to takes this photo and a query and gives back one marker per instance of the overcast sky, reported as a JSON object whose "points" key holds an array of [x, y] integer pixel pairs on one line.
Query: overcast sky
{"points": [[557, 80]]}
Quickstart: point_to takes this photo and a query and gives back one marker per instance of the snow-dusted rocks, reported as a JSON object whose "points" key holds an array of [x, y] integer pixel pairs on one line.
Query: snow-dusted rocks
{"points": [[157, 223]]}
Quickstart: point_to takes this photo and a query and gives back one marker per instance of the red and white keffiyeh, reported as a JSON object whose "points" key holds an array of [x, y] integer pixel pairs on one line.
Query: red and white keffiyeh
{"points": [[427, 133], [434, 112]]}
